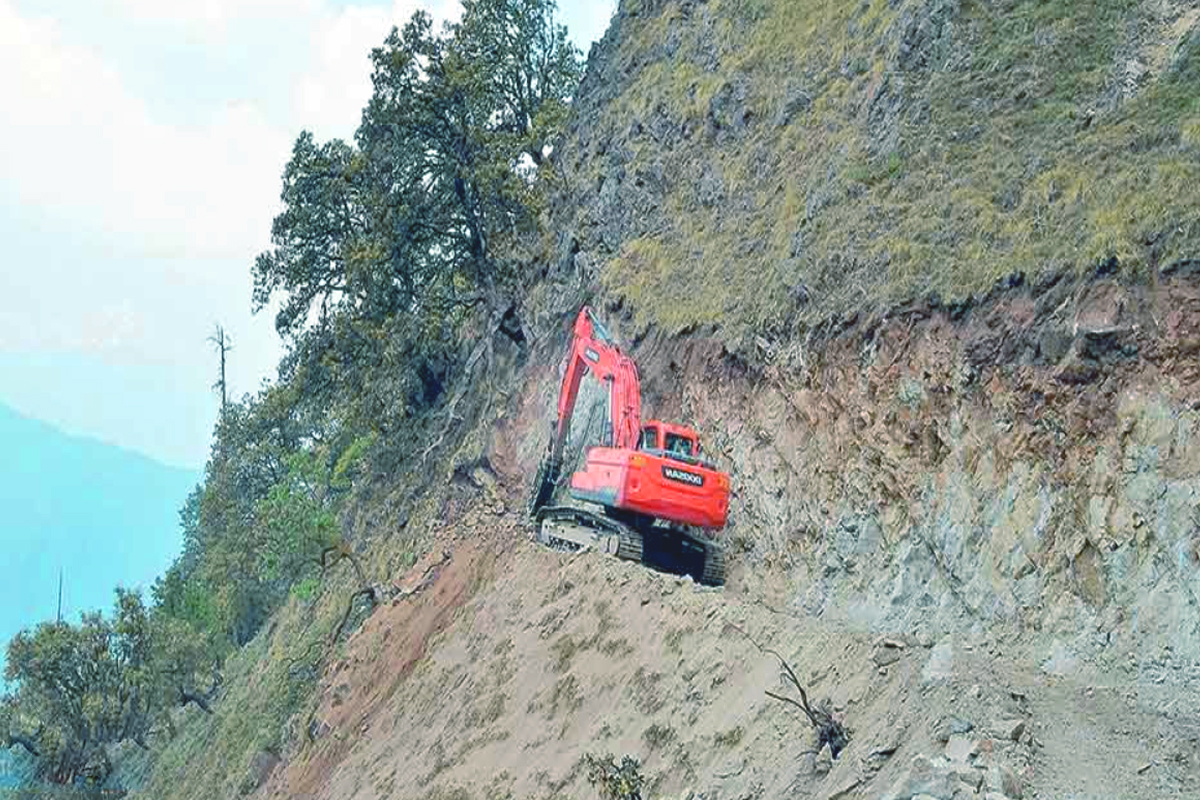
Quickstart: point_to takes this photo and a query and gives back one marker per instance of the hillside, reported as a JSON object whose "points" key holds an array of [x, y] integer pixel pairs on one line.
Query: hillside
{"points": [[104, 515], [924, 274], [761, 167]]}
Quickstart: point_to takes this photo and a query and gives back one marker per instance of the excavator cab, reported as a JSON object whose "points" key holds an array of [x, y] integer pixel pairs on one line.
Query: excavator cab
{"points": [[673, 441]]}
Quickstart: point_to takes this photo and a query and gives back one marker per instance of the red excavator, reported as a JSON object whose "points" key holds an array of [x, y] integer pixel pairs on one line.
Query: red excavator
{"points": [[646, 493]]}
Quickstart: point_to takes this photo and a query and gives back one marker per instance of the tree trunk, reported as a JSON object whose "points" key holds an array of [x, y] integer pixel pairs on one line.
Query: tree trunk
{"points": [[25, 742], [187, 697]]}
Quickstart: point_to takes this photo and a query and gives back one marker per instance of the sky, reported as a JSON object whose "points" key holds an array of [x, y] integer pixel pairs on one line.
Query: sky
{"points": [[140, 158]]}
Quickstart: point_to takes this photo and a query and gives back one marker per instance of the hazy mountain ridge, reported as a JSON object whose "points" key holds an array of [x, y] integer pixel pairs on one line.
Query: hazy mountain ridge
{"points": [[103, 514]]}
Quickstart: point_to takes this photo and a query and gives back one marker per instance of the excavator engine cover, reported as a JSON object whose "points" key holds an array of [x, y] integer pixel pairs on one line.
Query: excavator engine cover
{"points": [[654, 485]]}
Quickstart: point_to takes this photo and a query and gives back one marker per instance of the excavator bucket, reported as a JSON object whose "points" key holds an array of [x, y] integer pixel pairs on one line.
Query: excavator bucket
{"points": [[544, 484]]}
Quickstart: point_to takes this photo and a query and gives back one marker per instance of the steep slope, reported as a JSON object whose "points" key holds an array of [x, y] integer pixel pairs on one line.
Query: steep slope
{"points": [[570, 656], [762, 166], [104, 515]]}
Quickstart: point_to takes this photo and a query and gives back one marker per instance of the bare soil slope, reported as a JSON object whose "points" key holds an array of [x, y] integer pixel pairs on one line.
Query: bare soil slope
{"points": [[501, 693]]}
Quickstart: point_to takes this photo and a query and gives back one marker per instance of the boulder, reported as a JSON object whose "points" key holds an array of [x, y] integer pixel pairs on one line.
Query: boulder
{"points": [[887, 651], [1000, 779], [933, 777], [961, 749], [940, 667], [952, 726], [1012, 729]]}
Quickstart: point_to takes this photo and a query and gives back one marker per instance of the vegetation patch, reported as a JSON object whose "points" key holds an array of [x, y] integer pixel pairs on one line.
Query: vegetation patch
{"points": [[730, 738], [658, 736], [644, 687], [885, 151], [615, 781], [566, 697]]}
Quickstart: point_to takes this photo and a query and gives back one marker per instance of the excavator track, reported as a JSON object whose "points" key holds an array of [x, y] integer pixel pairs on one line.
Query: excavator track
{"points": [[714, 565], [571, 529]]}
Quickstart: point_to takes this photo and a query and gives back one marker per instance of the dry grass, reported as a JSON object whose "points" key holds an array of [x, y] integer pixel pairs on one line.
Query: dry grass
{"points": [[1000, 161]]}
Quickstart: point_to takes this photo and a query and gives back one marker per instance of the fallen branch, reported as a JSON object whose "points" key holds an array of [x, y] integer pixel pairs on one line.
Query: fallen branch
{"points": [[367, 592], [26, 742], [829, 730]]}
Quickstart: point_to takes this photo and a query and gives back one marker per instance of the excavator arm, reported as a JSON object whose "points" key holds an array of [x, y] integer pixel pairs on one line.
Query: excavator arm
{"points": [[592, 350]]}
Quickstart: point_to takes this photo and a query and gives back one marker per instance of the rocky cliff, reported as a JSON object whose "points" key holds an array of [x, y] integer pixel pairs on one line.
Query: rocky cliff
{"points": [[938, 293]]}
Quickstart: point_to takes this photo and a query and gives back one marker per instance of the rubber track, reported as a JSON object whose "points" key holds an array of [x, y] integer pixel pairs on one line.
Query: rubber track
{"points": [[629, 546], [629, 541]]}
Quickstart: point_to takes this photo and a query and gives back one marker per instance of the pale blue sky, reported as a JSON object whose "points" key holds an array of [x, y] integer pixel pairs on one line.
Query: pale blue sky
{"points": [[139, 172]]}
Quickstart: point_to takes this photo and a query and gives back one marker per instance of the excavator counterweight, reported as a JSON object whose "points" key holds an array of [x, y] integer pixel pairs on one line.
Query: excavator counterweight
{"points": [[646, 493]]}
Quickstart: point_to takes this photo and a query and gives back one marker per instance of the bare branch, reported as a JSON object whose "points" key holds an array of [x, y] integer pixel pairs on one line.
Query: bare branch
{"points": [[829, 730], [369, 593]]}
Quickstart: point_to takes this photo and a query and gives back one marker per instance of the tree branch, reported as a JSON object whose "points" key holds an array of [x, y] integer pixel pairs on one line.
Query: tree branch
{"points": [[829, 730], [27, 742]]}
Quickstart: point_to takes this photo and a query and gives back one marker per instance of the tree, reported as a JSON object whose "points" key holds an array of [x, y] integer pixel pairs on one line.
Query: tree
{"points": [[529, 62], [186, 657], [322, 254], [13, 727], [88, 687], [222, 344], [386, 247], [259, 523], [296, 522]]}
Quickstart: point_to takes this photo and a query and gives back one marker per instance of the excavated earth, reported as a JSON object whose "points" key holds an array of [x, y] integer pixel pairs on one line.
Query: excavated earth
{"points": [[972, 529]]}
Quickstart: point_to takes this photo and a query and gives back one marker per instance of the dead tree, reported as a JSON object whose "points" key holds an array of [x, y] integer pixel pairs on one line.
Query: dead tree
{"points": [[222, 344], [830, 731], [202, 700]]}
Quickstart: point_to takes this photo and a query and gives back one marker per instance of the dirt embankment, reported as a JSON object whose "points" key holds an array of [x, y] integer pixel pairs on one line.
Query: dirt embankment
{"points": [[971, 528], [561, 656]]}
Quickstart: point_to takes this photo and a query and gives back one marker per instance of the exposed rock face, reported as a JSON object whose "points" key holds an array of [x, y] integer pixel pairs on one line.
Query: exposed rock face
{"points": [[936, 470], [952, 409]]}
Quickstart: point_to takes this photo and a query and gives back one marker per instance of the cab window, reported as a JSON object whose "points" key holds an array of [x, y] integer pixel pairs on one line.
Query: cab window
{"points": [[649, 438], [679, 444]]}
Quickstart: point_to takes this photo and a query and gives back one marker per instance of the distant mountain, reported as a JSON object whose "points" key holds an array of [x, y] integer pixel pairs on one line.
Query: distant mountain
{"points": [[10, 769], [105, 515]]}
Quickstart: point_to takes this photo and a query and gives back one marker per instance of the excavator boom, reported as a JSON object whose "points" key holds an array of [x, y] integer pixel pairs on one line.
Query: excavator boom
{"points": [[593, 350]]}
